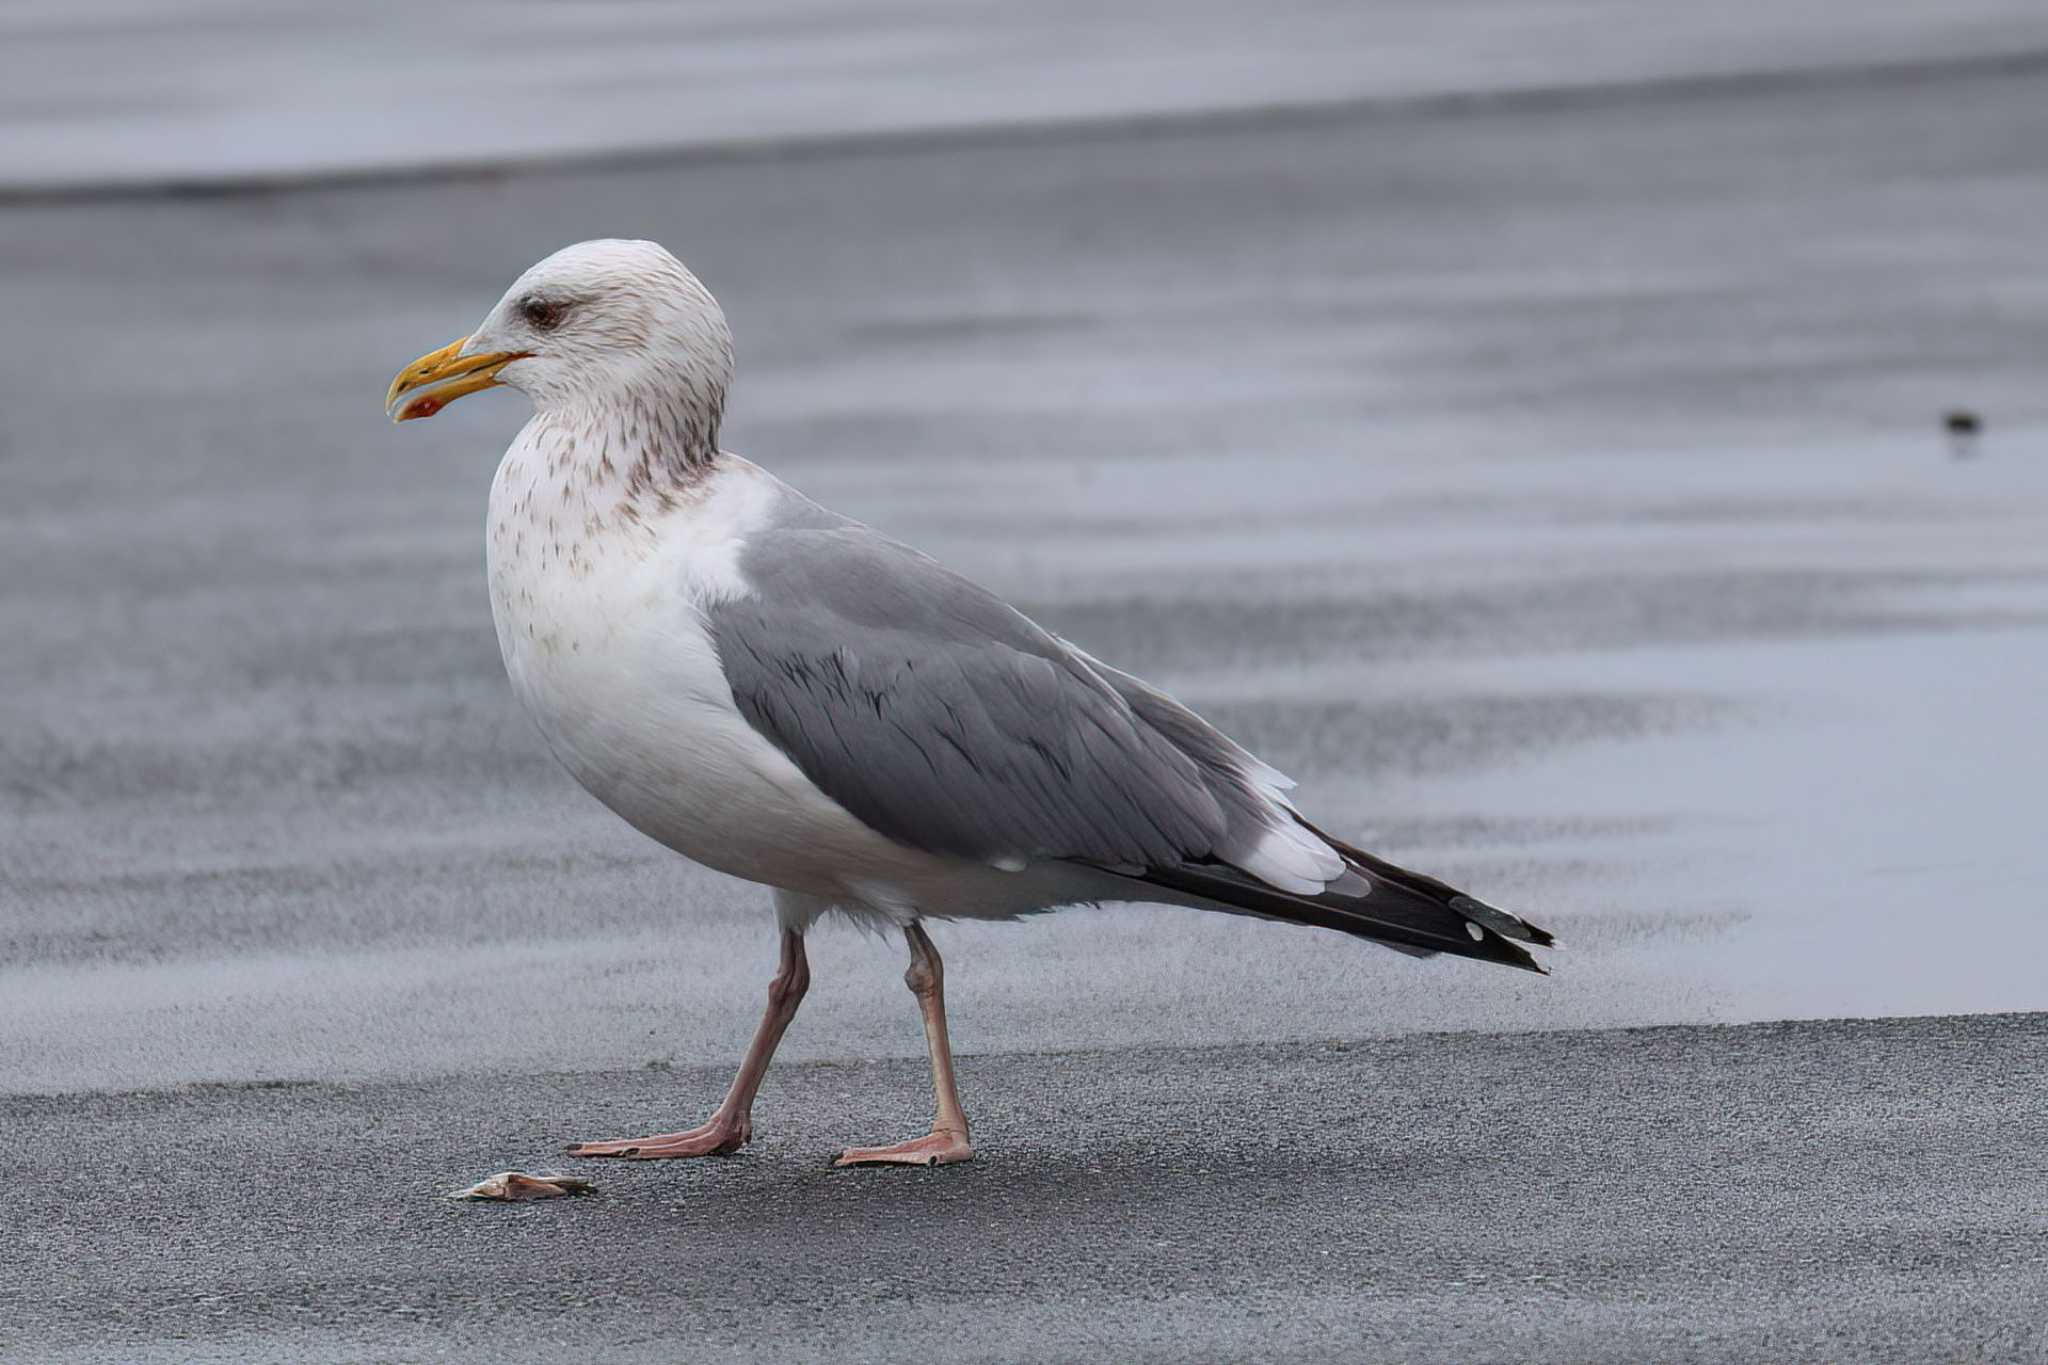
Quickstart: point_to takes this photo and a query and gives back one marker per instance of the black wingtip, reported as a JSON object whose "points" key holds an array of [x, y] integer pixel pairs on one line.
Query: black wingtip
{"points": [[1500, 921], [1466, 906], [1384, 911], [1510, 954]]}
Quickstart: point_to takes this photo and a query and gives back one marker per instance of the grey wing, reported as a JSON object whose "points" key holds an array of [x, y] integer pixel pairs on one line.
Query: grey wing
{"points": [[945, 719]]}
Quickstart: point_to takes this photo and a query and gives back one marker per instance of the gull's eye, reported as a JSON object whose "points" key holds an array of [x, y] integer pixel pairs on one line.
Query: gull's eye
{"points": [[542, 315]]}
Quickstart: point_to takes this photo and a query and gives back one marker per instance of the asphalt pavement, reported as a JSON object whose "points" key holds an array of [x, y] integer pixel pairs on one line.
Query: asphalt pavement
{"points": [[1770, 1193]]}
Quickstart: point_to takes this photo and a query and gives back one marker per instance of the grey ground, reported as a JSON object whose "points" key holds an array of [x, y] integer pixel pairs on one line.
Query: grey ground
{"points": [[1553, 486], [1788, 1192]]}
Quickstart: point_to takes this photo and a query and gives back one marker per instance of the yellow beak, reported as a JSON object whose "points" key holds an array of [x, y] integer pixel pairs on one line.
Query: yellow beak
{"points": [[446, 376]]}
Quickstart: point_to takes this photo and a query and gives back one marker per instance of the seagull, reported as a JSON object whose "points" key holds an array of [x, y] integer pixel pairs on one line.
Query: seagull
{"points": [[785, 695]]}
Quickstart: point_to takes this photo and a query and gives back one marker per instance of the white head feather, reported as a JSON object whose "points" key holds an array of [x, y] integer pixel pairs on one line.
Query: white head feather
{"points": [[615, 324]]}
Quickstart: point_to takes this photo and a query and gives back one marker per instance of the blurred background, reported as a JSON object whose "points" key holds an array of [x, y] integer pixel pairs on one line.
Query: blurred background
{"points": [[1600, 449]]}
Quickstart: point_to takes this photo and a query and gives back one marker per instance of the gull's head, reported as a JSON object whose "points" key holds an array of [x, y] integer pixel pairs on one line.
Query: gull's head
{"points": [[605, 322]]}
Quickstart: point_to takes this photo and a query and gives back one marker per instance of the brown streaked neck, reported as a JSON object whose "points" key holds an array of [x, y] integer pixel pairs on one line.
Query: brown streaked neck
{"points": [[643, 449]]}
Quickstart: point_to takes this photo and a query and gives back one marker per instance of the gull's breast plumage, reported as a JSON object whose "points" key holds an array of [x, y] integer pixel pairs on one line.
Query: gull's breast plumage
{"points": [[599, 617]]}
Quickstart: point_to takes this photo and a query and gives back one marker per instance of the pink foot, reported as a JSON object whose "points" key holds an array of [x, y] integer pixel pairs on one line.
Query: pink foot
{"points": [[940, 1148], [719, 1137]]}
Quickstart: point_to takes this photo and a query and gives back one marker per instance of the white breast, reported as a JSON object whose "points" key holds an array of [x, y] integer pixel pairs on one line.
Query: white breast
{"points": [[599, 620]]}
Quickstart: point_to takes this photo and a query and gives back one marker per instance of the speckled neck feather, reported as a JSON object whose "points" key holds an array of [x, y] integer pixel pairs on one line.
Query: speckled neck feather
{"points": [[632, 454]]}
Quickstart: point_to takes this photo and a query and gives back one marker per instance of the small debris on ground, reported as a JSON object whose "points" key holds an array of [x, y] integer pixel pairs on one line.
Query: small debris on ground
{"points": [[1963, 428], [510, 1187]]}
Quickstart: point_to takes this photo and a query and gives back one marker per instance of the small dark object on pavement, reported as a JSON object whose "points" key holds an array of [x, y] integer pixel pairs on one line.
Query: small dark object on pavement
{"points": [[1963, 427]]}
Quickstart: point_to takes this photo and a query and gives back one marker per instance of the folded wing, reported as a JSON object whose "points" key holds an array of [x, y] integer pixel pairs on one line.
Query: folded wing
{"points": [[945, 719]]}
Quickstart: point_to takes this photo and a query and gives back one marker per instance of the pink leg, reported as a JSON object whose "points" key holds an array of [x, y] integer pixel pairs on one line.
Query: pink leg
{"points": [[947, 1142], [732, 1126]]}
